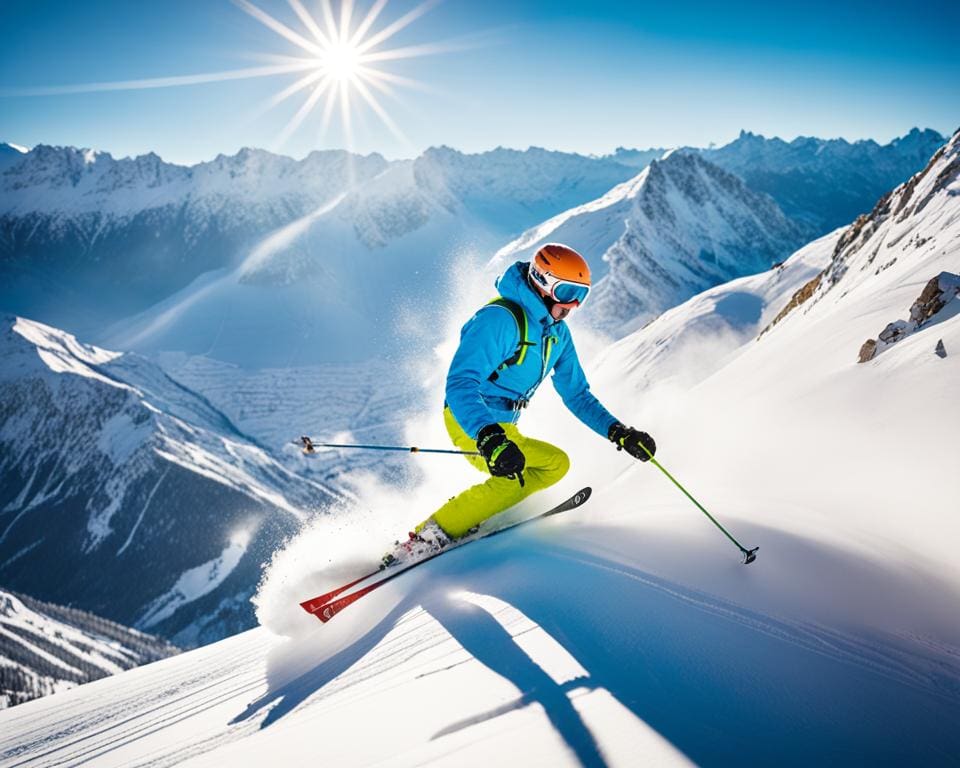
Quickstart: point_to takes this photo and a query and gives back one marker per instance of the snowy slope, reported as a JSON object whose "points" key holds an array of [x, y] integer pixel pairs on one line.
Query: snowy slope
{"points": [[556, 646], [678, 227], [46, 648], [365, 407], [686, 344], [124, 493], [627, 632], [797, 402]]}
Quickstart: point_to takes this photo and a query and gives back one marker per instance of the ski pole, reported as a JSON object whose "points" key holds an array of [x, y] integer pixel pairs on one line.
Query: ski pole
{"points": [[749, 555], [309, 446]]}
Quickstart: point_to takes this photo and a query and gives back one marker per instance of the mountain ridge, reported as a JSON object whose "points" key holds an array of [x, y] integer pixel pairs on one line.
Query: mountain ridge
{"points": [[111, 472], [47, 648], [681, 225]]}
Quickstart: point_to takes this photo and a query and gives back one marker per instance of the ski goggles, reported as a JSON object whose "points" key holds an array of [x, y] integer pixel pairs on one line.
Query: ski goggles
{"points": [[561, 291]]}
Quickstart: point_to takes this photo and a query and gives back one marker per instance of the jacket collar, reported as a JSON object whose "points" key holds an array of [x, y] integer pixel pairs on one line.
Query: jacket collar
{"points": [[513, 285]]}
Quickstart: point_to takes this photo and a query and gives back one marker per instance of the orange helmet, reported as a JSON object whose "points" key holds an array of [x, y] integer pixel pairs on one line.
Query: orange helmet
{"points": [[560, 273]]}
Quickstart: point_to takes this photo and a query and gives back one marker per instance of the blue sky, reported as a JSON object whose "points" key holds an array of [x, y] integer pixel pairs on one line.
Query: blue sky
{"points": [[584, 77]]}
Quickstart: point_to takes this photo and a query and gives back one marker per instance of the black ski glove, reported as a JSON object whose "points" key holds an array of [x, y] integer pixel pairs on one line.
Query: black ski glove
{"points": [[633, 441], [503, 457]]}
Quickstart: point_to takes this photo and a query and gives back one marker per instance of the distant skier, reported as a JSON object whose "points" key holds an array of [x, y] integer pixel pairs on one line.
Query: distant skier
{"points": [[506, 350]]}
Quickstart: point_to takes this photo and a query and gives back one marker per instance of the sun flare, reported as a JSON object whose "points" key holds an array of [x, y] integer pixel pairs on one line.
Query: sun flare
{"points": [[335, 61], [341, 60]]}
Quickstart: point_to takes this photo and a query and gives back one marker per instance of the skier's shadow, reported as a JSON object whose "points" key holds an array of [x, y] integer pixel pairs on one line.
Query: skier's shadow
{"points": [[703, 674], [480, 635]]}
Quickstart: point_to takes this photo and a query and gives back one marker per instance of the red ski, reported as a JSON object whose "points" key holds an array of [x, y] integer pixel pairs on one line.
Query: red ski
{"points": [[328, 605]]}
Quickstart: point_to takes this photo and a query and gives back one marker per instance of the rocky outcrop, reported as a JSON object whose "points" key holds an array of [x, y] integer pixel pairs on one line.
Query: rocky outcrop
{"points": [[867, 351], [941, 289], [796, 300], [938, 293]]}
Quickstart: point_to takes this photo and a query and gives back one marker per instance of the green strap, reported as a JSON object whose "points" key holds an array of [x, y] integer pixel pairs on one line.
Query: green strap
{"points": [[520, 318]]}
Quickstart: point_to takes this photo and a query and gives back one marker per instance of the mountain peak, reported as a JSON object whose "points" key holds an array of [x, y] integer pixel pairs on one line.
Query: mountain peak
{"points": [[917, 140]]}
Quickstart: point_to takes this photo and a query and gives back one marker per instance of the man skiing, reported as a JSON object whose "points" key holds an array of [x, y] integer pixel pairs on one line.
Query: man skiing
{"points": [[507, 349]]}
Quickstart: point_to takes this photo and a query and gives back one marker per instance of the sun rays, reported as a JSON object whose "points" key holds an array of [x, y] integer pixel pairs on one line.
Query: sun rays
{"points": [[340, 58], [338, 61]]}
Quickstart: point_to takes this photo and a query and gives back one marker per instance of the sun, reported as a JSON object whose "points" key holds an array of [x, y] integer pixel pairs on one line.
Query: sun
{"points": [[341, 62], [344, 60], [338, 61]]}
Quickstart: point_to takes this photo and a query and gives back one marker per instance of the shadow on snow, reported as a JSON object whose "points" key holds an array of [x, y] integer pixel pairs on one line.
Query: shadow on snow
{"points": [[719, 681]]}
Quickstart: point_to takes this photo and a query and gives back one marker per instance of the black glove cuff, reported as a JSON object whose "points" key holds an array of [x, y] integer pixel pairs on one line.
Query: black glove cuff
{"points": [[490, 429]]}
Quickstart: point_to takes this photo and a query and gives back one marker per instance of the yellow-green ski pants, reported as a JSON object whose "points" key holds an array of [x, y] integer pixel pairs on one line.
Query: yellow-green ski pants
{"points": [[546, 465]]}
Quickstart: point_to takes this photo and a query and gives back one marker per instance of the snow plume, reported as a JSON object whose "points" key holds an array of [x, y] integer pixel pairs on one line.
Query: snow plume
{"points": [[352, 537]]}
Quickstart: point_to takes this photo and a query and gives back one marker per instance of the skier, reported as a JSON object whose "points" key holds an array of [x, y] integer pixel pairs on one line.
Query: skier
{"points": [[506, 350]]}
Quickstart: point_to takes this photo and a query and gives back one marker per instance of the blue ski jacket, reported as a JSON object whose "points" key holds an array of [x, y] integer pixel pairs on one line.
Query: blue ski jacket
{"points": [[491, 337]]}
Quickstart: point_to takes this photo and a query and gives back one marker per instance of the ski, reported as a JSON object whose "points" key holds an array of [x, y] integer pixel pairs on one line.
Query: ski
{"points": [[328, 605]]}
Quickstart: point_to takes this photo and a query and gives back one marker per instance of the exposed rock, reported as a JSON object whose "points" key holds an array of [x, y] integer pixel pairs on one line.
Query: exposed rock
{"points": [[901, 213], [911, 184], [868, 350], [797, 299], [894, 331], [936, 294], [934, 297]]}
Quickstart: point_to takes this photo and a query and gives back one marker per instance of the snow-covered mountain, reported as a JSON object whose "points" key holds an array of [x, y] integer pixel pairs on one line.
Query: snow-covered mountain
{"points": [[680, 226], [795, 400], [124, 493], [511, 190], [46, 648], [627, 632], [87, 240], [323, 288], [824, 183]]}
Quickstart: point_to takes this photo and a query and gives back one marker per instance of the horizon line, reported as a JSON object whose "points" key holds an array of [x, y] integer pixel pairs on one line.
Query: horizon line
{"points": [[25, 149]]}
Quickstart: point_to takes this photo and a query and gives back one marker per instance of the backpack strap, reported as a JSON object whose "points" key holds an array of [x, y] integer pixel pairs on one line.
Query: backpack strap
{"points": [[520, 317]]}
